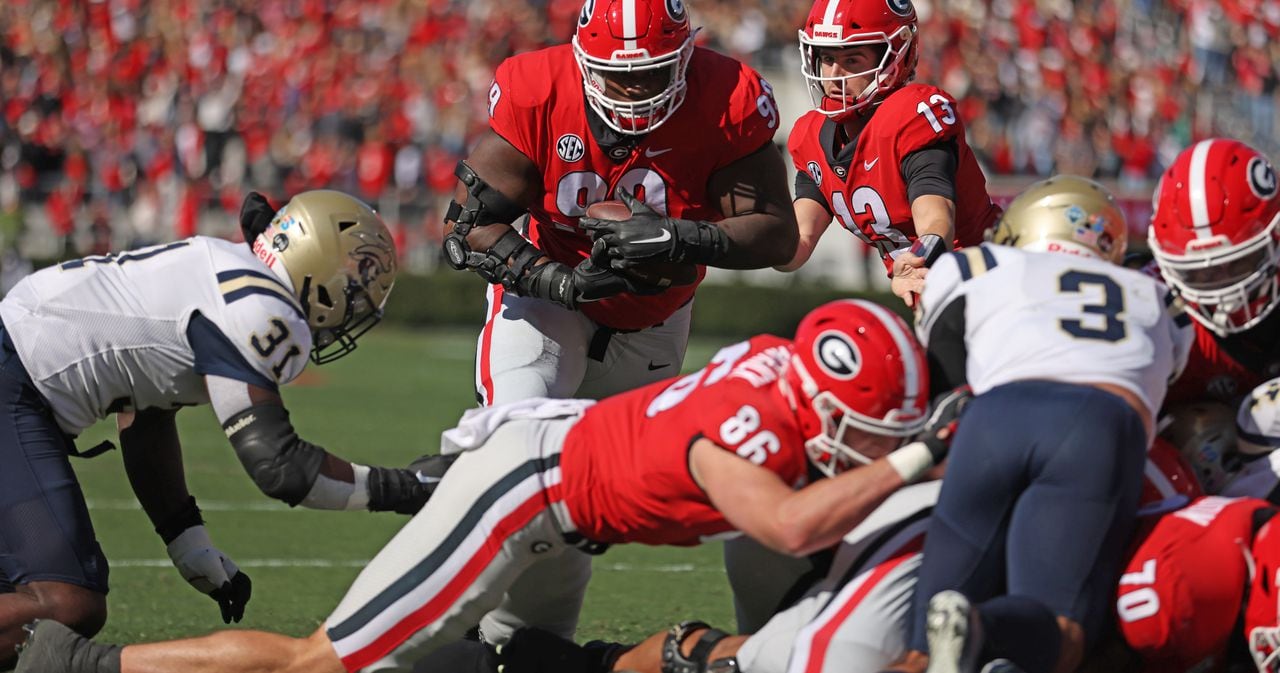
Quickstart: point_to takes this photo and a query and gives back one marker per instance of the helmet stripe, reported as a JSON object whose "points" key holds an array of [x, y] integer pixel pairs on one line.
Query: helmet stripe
{"points": [[1196, 188], [830, 16], [906, 344], [629, 23]]}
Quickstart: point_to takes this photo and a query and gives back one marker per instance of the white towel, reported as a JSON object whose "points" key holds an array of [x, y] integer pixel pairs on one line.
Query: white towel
{"points": [[478, 424]]}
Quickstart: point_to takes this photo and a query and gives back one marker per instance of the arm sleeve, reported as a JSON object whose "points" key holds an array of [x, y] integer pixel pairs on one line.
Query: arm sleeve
{"points": [[806, 188], [947, 352], [931, 171]]}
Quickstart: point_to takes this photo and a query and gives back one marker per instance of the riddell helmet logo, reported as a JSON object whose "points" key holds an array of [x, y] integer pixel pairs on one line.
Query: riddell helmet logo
{"points": [[837, 355], [828, 32]]}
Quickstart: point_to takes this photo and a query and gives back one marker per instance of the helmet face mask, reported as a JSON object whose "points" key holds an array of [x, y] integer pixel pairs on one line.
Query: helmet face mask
{"points": [[1261, 620], [1214, 233], [339, 259], [633, 56], [845, 24], [859, 383], [1067, 214]]}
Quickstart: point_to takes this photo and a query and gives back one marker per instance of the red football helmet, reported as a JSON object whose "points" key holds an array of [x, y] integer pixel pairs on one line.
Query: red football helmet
{"points": [[855, 366], [1169, 482], [1205, 434], [1214, 233], [840, 24], [645, 44], [1261, 621]]}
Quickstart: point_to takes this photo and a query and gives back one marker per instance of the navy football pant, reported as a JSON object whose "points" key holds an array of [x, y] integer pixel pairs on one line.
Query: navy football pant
{"points": [[1038, 501], [45, 531]]}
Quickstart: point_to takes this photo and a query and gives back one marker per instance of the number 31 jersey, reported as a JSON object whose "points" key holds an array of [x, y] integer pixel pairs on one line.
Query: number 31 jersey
{"points": [[1055, 316], [106, 334], [625, 465]]}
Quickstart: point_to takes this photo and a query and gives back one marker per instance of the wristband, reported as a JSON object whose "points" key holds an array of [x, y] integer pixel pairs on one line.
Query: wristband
{"points": [[911, 461], [929, 248]]}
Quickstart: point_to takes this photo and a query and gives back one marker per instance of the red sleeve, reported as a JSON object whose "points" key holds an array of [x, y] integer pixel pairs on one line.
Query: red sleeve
{"points": [[516, 105], [752, 117], [797, 141], [927, 116]]}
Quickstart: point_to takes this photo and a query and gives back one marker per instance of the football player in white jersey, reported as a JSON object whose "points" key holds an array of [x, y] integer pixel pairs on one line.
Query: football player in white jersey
{"points": [[141, 334], [1069, 356]]}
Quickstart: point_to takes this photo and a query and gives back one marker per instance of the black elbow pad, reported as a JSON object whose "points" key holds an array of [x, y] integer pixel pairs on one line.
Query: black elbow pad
{"points": [[283, 465]]}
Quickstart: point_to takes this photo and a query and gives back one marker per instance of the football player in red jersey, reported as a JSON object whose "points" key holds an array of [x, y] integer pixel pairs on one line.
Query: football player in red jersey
{"points": [[1193, 577], [630, 109], [726, 448], [886, 157], [1214, 237]]}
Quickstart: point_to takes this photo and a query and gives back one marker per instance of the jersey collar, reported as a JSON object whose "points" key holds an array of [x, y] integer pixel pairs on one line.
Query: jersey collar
{"points": [[827, 137], [616, 146]]}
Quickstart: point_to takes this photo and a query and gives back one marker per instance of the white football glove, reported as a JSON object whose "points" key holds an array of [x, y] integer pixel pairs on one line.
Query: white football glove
{"points": [[207, 569]]}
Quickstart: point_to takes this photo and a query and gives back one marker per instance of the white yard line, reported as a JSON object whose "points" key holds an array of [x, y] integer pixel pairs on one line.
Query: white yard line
{"points": [[360, 563], [205, 505]]}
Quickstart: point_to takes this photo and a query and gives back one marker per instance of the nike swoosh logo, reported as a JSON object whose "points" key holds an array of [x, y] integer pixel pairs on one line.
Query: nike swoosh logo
{"points": [[651, 153], [666, 236], [866, 165], [653, 367]]}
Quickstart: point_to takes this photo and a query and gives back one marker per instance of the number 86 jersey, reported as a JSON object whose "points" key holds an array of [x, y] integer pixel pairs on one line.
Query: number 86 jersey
{"points": [[1056, 316], [100, 335]]}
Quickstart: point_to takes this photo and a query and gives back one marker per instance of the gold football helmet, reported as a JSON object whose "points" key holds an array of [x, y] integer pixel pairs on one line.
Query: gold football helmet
{"points": [[1065, 213], [340, 261], [1205, 434]]}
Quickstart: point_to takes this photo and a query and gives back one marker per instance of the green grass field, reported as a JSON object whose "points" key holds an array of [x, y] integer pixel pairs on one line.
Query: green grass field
{"points": [[384, 404]]}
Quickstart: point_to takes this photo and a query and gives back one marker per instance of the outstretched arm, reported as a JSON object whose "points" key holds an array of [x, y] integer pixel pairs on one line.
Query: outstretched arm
{"points": [[291, 469], [812, 220]]}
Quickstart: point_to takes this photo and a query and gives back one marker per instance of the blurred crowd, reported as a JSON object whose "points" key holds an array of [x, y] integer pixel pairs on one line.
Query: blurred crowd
{"points": [[124, 122]]}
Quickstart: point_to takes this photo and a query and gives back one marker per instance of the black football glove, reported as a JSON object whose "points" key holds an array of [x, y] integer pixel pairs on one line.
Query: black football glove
{"points": [[232, 596], [585, 283], [650, 237], [944, 417], [403, 491], [533, 650], [255, 216]]}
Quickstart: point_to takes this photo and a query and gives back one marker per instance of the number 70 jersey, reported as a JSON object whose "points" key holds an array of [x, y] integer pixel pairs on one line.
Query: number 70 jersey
{"points": [[106, 334], [1055, 316]]}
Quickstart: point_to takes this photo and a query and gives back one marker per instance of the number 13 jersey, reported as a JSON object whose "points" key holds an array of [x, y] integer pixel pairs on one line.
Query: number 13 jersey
{"points": [[106, 334], [1055, 316]]}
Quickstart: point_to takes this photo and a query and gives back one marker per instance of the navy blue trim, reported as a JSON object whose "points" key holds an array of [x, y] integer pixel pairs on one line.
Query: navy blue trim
{"points": [[224, 276], [988, 257], [234, 295], [962, 263], [429, 565], [217, 356], [123, 257], [243, 292], [1181, 318]]}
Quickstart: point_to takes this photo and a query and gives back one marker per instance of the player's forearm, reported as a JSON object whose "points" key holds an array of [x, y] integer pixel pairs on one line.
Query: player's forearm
{"points": [[812, 220], [152, 458], [821, 514], [758, 240], [932, 214]]}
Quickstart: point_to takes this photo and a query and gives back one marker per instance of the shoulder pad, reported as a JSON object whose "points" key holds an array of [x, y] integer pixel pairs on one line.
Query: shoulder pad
{"points": [[917, 116], [264, 322]]}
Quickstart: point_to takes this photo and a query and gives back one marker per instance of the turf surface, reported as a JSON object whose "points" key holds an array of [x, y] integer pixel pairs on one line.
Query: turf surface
{"points": [[384, 404]]}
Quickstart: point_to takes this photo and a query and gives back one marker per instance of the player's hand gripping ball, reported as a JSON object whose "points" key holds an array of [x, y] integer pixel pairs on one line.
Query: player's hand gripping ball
{"points": [[659, 274]]}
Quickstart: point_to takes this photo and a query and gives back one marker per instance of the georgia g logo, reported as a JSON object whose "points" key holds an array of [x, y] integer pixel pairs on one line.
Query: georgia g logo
{"points": [[588, 8], [900, 7], [1262, 178], [837, 355], [675, 10]]}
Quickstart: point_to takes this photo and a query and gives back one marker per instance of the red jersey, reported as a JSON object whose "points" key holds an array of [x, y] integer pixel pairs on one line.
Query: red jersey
{"points": [[863, 186], [1182, 590], [625, 464], [537, 104]]}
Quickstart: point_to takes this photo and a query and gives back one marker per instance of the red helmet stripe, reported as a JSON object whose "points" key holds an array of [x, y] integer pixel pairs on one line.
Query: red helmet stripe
{"points": [[629, 24], [1196, 188], [1158, 480]]}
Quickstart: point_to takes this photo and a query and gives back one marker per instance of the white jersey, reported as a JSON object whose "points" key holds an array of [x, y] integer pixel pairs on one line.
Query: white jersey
{"points": [[1059, 317], [106, 334]]}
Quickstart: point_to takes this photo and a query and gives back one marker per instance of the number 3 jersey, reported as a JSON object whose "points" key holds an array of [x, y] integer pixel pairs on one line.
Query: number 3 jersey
{"points": [[106, 334], [537, 104], [1048, 315], [625, 465], [863, 185]]}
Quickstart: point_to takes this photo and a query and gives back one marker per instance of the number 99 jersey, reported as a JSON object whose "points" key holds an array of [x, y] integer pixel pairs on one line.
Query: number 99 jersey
{"points": [[100, 335], [1055, 316], [1181, 593], [625, 465]]}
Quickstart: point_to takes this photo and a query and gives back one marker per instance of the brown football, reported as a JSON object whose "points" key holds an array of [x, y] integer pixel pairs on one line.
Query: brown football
{"points": [[661, 274]]}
